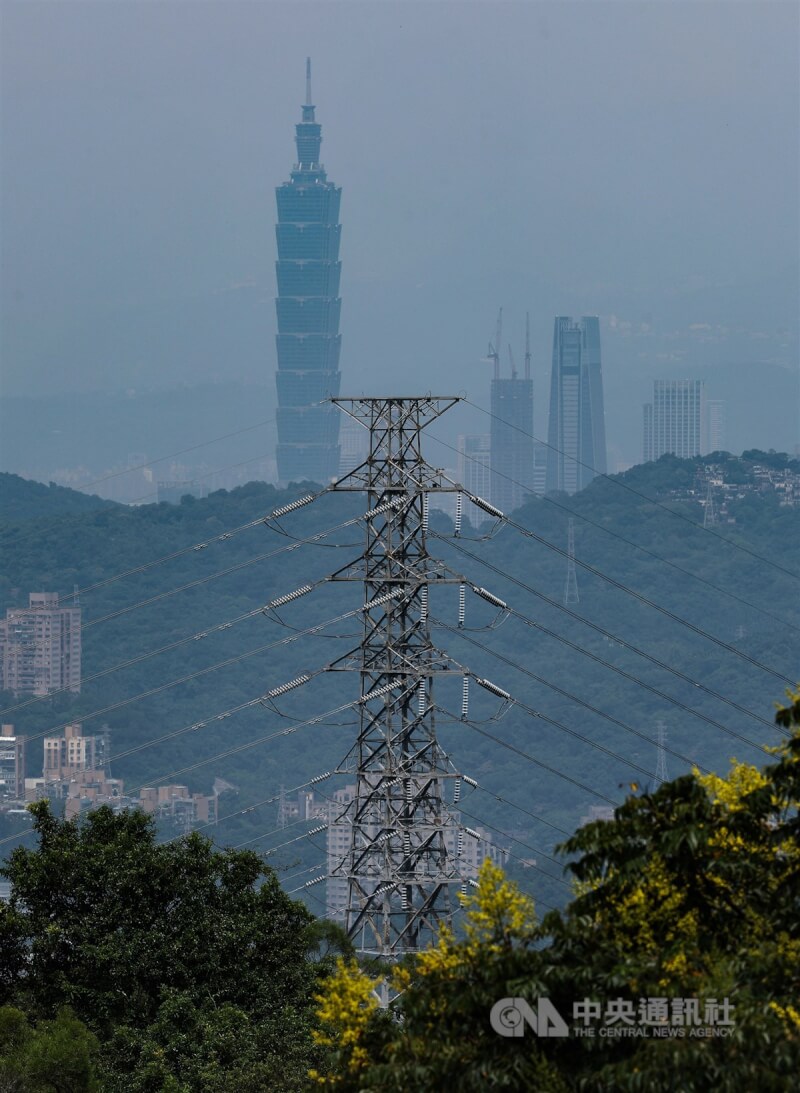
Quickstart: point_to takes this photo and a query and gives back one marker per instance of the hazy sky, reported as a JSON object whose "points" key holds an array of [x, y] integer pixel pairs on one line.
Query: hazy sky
{"points": [[633, 160]]}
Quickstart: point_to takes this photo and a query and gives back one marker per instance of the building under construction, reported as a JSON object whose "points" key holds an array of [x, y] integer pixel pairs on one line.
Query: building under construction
{"points": [[512, 428]]}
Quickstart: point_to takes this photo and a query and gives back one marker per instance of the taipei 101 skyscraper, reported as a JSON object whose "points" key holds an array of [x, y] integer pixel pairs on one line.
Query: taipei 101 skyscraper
{"points": [[308, 306]]}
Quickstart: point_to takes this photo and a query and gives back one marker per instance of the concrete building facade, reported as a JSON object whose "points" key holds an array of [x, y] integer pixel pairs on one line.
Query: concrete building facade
{"points": [[470, 846], [12, 763], [40, 646], [673, 423]]}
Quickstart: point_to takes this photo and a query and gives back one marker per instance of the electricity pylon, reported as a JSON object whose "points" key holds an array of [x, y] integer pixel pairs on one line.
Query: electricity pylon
{"points": [[661, 761], [400, 873], [571, 585], [709, 508]]}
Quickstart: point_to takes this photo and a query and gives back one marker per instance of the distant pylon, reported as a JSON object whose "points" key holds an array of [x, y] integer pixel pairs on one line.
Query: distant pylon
{"points": [[709, 508], [282, 808], [661, 757], [571, 585]]}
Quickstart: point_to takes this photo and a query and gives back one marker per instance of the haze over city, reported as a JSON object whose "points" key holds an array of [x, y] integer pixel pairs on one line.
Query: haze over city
{"points": [[457, 748], [634, 161]]}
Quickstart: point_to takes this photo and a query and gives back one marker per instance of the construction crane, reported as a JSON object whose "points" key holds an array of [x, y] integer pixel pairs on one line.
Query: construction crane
{"points": [[527, 346], [494, 349]]}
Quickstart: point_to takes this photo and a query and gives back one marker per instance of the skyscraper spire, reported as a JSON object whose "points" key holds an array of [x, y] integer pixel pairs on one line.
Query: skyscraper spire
{"points": [[308, 308]]}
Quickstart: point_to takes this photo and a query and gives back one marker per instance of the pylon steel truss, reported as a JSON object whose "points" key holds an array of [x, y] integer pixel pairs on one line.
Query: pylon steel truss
{"points": [[400, 872]]}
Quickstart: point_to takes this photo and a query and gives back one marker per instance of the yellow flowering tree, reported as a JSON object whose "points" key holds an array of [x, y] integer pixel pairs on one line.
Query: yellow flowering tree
{"points": [[689, 893], [439, 1035], [343, 1014]]}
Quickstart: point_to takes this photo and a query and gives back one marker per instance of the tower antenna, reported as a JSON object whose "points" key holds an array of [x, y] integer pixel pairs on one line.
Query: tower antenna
{"points": [[308, 81]]}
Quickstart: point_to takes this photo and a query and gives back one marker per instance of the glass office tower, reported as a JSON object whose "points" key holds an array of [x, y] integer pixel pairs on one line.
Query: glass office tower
{"points": [[576, 432], [308, 306], [673, 421]]}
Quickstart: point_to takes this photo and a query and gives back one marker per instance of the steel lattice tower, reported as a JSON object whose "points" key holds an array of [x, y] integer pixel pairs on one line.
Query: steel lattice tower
{"points": [[661, 762], [571, 584], [399, 872]]}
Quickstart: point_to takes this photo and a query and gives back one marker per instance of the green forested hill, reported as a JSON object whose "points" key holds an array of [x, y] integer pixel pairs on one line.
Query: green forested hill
{"points": [[189, 595], [22, 499]]}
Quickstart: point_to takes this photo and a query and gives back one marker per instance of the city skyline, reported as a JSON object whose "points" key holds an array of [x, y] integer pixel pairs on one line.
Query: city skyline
{"points": [[681, 244]]}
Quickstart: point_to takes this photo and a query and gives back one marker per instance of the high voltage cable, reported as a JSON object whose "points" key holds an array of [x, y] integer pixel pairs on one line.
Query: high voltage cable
{"points": [[220, 755], [539, 762], [560, 690], [143, 656], [288, 639], [250, 744], [168, 736], [276, 830], [548, 499], [526, 811], [646, 686], [574, 732], [208, 474], [650, 500], [520, 842], [650, 603], [203, 580], [201, 545], [260, 804], [183, 451], [612, 637], [458, 808], [181, 641], [536, 899], [637, 596], [160, 459], [293, 876], [316, 720]]}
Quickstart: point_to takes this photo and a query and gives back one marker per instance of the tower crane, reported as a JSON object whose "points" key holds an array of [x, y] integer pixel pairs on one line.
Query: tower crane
{"points": [[494, 349]]}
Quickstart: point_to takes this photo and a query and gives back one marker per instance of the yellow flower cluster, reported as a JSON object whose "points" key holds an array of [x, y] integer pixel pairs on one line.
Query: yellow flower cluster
{"points": [[344, 1012], [731, 791], [789, 1016]]}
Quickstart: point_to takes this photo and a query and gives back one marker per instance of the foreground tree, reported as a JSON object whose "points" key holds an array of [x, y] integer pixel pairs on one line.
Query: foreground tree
{"points": [[686, 917], [56, 1055], [444, 996], [185, 960]]}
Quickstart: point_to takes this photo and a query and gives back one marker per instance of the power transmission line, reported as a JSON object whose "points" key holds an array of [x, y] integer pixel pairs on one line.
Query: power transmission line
{"points": [[650, 500], [548, 499], [611, 637]]}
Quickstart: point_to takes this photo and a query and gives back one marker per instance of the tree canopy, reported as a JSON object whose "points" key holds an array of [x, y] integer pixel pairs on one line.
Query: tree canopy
{"points": [[685, 923], [191, 965]]}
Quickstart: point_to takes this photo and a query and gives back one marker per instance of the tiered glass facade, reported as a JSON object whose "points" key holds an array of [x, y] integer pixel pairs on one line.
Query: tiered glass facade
{"points": [[308, 306]]}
